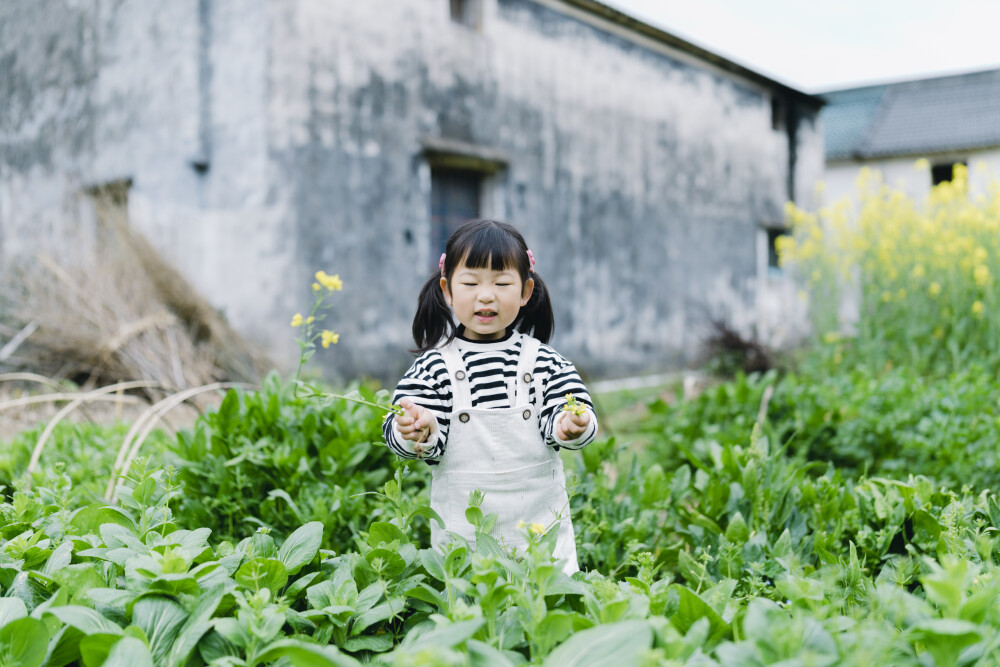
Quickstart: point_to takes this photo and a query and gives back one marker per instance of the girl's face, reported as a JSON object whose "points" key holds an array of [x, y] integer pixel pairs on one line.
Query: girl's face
{"points": [[486, 301]]}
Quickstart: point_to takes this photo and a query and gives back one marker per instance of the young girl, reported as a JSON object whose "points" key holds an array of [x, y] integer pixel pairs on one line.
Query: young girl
{"points": [[484, 400]]}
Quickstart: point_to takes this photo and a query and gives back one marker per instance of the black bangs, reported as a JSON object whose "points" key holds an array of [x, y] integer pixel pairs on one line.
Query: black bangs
{"points": [[482, 244], [488, 244]]}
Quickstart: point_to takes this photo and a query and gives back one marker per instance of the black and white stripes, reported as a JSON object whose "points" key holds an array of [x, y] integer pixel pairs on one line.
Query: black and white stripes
{"points": [[492, 368]]}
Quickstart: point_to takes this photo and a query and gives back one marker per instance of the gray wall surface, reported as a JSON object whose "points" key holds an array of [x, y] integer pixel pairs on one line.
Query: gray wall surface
{"points": [[640, 175]]}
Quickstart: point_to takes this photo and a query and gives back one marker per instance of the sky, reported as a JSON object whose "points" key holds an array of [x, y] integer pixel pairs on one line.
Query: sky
{"points": [[816, 46]]}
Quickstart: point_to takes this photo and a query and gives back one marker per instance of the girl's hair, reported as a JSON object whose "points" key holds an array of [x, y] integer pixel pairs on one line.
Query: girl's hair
{"points": [[483, 244]]}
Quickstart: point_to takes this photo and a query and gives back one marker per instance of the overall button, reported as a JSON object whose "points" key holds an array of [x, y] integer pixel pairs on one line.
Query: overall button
{"points": [[527, 377], [460, 375], [464, 417], [526, 414]]}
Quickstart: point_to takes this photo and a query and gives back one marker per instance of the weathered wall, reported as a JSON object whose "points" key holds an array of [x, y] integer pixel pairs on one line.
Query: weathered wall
{"points": [[640, 178], [639, 175]]}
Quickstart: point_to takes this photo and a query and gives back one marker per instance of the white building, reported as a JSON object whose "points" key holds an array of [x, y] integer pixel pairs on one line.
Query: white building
{"points": [[913, 132]]}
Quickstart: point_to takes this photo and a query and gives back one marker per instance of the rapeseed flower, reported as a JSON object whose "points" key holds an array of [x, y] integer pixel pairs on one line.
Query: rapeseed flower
{"points": [[978, 308], [934, 289], [332, 283], [328, 338], [981, 275], [297, 320]]}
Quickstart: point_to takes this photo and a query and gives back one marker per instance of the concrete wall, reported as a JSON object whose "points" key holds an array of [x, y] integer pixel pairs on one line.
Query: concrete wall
{"points": [[640, 176]]}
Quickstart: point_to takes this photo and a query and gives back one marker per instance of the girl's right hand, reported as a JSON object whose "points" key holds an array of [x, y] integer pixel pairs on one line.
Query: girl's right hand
{"points": [[417, 424]]}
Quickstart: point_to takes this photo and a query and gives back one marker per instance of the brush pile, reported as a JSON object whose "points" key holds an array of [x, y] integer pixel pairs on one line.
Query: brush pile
{"points": [[126, 315]]}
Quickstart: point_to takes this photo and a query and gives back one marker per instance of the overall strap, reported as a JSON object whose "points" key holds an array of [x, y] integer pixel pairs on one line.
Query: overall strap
{"points": [[526, 371], [461, 390]]}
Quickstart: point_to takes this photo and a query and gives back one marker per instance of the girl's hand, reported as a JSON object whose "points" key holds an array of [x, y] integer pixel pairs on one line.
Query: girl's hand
{"points": [[417, 423], [572, 425]]}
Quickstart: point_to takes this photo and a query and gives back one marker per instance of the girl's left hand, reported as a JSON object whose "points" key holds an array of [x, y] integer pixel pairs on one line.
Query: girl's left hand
{"points": [[572, 426]]}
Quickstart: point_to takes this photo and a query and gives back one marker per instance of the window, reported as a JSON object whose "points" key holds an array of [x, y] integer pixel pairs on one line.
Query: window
{"points": [[777, 113], [467, 12], [943, 172], [455, 198], [773, 234]]}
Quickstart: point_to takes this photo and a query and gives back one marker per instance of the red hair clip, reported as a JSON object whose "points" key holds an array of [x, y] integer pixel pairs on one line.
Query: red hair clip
{"points": [[531, 261], [441, 264]]}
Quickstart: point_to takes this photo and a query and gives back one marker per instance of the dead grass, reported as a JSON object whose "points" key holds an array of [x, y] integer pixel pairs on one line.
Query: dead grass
{"points": [[124, 315]]}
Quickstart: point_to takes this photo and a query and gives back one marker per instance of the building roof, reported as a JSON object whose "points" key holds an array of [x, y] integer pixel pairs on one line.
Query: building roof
{"points": [[648, 31], [941, 114]]}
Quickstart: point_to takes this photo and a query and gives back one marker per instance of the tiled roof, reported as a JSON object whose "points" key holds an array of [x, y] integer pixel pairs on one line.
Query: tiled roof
{"points": [[947, 113]]}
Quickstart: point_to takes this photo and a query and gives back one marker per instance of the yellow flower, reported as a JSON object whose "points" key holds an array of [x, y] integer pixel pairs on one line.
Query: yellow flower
{"points": [[982, 275], [886, 297], [297, 320], [521, 524], [310, 319], [923, 164], [977, 308], [980, 254], [934, 289], [329, 338], [831, 337], [332, 283], [918, 271], [537, 528], [317, 287]]}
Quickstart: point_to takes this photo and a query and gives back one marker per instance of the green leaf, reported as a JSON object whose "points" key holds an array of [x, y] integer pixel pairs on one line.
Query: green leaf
{"points": [[433, 563], [161, 619], [382, 532], [94, 649], [375, 643], [296, 587], [375, 615], [391, 562], [301, 546], [304, 654], [474, 515], [88, 520], [691, 608], [85, 619], [78, 577], [11, 609], [197, 624], [64, 647], [618, 643], [450, 634], [261, 573], [558, 624], [615, 644], [429, 514], [484, 655], [24, 642], [129, 652]]}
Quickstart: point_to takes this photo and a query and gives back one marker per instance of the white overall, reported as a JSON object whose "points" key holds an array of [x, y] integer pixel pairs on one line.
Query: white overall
{"points": [[501, 452]]}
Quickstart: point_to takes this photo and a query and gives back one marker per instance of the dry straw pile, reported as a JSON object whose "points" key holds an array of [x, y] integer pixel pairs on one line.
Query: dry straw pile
{"points": [[126, 315]]}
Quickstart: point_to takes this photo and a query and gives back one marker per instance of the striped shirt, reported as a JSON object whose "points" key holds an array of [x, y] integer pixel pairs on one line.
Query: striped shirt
{"points": [[492, 368]]}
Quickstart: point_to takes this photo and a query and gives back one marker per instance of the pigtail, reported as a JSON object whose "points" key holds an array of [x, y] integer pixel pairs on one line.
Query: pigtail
{"points": [[432, 321], [535, 317]]}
